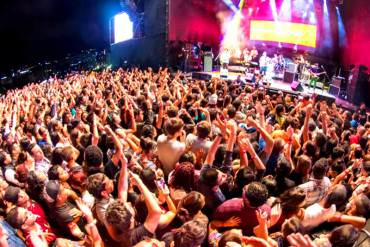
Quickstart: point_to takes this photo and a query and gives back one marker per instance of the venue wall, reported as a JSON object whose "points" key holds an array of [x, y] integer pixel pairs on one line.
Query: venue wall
{"points": [[194, 21], [356, 21]]}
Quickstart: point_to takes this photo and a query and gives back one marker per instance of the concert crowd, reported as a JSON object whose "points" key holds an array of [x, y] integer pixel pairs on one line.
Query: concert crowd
{"points": [[143, 158]]}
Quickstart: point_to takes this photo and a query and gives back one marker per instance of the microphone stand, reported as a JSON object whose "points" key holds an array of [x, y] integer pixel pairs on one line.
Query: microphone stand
{"points": [[326, 74]]}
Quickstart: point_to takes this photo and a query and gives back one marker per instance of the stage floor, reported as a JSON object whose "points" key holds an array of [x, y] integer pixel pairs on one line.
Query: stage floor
{"points": [[279, 85]]}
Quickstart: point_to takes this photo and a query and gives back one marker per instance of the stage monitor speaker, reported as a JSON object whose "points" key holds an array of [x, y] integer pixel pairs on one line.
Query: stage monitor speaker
{"points": [[336, 81], [296, 86], [334, 90], [288, 77], [201, 76], [292, 68]]}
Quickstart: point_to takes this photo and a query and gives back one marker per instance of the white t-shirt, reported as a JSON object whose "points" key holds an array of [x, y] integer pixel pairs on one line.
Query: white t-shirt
{"points": [[197, 143], [169, 152], [315, 215]]}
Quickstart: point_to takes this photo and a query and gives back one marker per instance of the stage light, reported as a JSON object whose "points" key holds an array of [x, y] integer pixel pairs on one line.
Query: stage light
{"points": [[233, 35], [231, 5], [274, 9], [123, 27], [326, 9], [341, 29], [285, 11], [328, 40], [312, 17]]}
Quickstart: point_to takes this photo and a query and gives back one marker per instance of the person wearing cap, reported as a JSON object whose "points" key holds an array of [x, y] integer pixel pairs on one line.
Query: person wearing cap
{"points": [[65, 214], [20, 198]]}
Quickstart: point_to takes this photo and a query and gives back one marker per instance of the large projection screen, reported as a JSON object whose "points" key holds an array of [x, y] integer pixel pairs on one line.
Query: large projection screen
{"points": [[284, 32]]}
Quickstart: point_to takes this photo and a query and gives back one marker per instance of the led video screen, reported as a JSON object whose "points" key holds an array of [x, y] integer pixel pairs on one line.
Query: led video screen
{"points": [[284, 32], [123, 28]]}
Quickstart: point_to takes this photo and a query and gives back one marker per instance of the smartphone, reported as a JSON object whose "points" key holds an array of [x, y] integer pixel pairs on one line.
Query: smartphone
{"points": [[161, 184]]}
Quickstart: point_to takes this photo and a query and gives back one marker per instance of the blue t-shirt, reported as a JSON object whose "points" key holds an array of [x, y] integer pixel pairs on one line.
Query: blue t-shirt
{"points": [[13, 239]]}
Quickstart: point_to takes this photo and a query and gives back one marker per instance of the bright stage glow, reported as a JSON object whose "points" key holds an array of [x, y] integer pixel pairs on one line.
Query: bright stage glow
{"points": [[285, 11], [123, 28], [341, 29], [328, 40], [233, 38], [274, 9], [231, 5], [284, 32]]}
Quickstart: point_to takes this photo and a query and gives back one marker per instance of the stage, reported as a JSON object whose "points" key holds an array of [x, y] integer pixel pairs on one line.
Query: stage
{"points": [[276, 85]]}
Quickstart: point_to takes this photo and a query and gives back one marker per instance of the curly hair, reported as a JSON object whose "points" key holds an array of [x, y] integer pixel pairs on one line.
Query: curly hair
{"points": [[256, 194], [119, 216], [183, 176]]}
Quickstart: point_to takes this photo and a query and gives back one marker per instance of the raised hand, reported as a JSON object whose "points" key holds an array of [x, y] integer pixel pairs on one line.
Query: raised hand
{"points": [[260, 109], [298, 240], [232, 222], [251, 122], [244, 142], [84, 209], [261, 230]]}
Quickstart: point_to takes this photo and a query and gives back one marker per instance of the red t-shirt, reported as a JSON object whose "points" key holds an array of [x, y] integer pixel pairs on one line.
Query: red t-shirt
{"points": [[354, 139], [41, 220]]}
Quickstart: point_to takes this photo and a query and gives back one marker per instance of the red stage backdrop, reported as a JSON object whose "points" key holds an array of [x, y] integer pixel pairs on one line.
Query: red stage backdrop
{"points": [[357, 26], [194, 21]]}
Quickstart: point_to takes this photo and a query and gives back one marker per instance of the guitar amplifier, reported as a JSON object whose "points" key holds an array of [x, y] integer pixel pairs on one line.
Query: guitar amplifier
{"points": [[288, 77], [292, 68], [336, 81], [334, 90]]}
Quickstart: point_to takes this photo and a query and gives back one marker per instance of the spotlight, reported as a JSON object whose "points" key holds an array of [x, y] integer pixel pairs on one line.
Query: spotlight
{"points": [[285, 10]]}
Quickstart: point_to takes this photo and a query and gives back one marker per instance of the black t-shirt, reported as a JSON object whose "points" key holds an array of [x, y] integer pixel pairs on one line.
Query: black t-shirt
{"points": [[296, 177], [111, 170], [283, 184], [138, 234]]}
